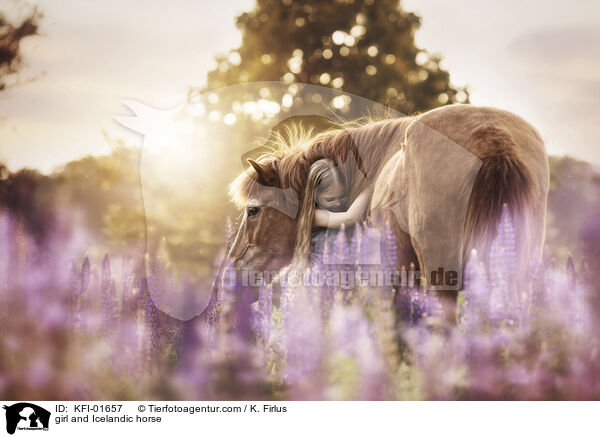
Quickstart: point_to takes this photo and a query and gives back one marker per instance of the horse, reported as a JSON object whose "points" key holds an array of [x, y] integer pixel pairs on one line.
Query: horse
{"points": [[441, 181]]}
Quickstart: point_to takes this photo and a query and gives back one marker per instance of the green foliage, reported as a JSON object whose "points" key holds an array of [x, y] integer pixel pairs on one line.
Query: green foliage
{"points": [[106, 189], [363, 47]]}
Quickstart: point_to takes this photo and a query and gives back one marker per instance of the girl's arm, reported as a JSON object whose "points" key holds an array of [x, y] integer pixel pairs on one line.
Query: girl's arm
{"points": [[328, 219]]}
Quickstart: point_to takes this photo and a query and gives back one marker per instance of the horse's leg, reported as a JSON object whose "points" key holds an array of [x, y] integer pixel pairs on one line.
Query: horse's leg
{"points": [[420, 265], [398, 255], [437, 176], [404, 251], [407, 252], [448, 298]]}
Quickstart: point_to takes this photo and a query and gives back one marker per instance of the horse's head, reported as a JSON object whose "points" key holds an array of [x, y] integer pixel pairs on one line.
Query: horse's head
{"points": [[271, 190], [267, 235]]}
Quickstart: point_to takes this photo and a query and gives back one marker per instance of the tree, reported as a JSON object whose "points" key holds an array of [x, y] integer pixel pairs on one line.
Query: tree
{"points": [[11, 36], [364, 47], [19, 191]]}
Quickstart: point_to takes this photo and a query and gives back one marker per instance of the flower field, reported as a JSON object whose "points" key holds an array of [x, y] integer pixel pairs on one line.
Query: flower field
{"points": [[79, 328]]}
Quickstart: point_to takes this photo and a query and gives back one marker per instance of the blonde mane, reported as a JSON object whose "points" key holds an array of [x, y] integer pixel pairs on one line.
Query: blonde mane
{"points": [[359, 148]]}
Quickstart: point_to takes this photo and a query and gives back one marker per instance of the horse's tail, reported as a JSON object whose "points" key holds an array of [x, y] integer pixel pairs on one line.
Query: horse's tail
{"points": [[503, 183]]}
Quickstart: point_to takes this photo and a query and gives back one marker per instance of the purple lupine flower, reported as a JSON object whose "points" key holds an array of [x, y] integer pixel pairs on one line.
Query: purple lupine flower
{"points": [[80, 284], [158, 276], [127, 283], [552, 353], [370, 247], [506, 232], [477, 292], [152, 330], [353, 338], [265, 313], [85, 277], [229, 234], [215, 311], [507, 239], [303, 346], [340, 246], [403, 304], [193, 374], [107, 288], [437, 358], [498, 280], [355, 242], [539, 291], [391, 247]]}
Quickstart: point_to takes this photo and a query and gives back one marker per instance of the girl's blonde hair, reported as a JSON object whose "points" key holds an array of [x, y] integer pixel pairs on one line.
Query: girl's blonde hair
{"points": [[323, 173]]}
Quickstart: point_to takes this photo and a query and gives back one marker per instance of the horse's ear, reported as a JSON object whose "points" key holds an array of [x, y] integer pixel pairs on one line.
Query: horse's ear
{"points": [[265, 174]]}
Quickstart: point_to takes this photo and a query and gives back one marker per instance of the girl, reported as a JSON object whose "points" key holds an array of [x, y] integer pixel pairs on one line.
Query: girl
{"points": [[325, 206]]}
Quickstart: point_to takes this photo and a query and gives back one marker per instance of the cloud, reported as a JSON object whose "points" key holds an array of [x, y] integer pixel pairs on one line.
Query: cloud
{"points": [[557, 70], [566, 53]]}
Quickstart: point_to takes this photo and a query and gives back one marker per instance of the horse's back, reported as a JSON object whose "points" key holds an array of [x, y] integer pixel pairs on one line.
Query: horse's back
{"points": [[462, 124], [514, 172], [462, 164]]}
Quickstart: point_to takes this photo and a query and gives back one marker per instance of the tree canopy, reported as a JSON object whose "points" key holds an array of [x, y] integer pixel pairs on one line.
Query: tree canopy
{"points": [[360, 46]]}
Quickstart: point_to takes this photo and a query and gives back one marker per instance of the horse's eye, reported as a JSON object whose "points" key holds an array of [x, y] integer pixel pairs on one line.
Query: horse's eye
{"points": [[252, 210]]}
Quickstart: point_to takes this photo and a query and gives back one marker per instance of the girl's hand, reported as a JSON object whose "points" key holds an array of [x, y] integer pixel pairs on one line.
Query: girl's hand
{"points": [[354, 214]]}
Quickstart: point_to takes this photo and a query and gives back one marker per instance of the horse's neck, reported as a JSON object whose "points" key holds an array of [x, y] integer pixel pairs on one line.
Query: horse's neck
{"points": [[375, 153]]}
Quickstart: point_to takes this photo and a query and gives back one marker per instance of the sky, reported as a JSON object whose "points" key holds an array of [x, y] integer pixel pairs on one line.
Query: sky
{"points": [[537, 58]]}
